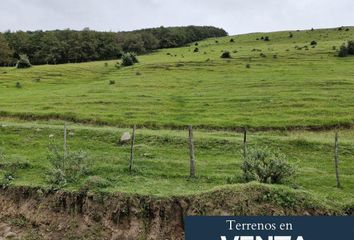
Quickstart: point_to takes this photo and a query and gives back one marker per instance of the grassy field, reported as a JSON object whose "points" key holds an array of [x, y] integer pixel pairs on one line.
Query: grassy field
{"points": [[285, 88], [176, 87], [162, 161]]}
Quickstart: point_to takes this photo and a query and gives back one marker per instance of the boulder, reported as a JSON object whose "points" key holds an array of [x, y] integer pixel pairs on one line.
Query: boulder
{"points": [[125, 137]]}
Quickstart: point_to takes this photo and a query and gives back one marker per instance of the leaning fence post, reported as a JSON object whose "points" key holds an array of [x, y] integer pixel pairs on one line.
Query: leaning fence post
{"points": [[244, 142], [191, 153], [336, 158], [132, 150]]}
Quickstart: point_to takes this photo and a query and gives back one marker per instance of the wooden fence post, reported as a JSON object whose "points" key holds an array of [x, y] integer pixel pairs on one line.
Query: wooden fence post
{"points": [[336, 158], [132, 150], [65, 142], [191, 153], [244, 142]]}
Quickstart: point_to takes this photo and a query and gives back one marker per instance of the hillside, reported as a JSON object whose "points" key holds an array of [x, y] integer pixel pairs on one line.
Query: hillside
{"points": [[286, 88], [277, 85]]}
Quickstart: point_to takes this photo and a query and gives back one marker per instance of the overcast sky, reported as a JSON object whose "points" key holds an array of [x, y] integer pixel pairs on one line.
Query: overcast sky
{"points": [[235, 16]]}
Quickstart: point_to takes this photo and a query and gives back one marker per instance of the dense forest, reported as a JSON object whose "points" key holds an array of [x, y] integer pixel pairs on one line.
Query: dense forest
{"points": [[70, 46]]}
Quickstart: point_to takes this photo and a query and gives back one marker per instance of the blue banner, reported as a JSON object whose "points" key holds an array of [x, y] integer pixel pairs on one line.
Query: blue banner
{"points": [[269, 228]]}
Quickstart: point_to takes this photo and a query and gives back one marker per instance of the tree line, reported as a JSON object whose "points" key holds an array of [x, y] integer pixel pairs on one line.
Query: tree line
{"points": [[71, 46]]}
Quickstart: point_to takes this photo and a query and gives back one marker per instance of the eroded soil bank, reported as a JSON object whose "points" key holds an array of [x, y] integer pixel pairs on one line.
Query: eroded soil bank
{"points": [[31, 213]]}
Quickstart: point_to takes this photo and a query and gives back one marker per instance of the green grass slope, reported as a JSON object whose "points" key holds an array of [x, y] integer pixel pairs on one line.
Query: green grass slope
{"points": [[162, 162], [286, 87]]}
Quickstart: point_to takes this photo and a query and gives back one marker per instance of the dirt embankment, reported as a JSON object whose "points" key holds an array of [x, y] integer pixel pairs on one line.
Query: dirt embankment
{"points": [[30, 213]]}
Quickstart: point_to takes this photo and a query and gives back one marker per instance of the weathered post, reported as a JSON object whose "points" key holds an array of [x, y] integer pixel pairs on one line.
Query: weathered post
{"points": [[132, 150], [336, 158], [191, 153], [244, 142], [65, 142]]}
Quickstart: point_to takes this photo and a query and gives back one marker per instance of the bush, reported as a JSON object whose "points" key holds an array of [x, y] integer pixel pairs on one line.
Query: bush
{"points": [[248, 65], [232, 40], [343, 51], [346, 49], [112, 82], [18, 85], [66, 169], [313, 43], [196, 50], [56, 177], [23, 62], [351, 47], [266, 39], [266, 166], [226, 54], [129, 59]]}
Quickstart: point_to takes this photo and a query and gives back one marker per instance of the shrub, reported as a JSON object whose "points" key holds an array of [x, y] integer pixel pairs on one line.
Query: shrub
{"points": [[343, 51], [23, 62], [290, 35], [266, 39], [129, 59], [66, 169], [106, 64], [56, 177], [266, 166], [232, 40], [112, 82], [196, 44], [248, 65], [7, 179], [18, 85], [313, 43], [226, 54], [351, 47], [196, 50]]}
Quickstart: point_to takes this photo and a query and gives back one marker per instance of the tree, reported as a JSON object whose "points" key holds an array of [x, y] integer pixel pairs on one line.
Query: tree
{"points": [[350, 47], [5, 52], [129, 59], [23, 62], [63, 46], [343, 51]]}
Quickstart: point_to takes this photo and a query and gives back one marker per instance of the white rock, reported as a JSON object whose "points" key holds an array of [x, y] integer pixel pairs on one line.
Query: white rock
{"points": [[125, 137], [51, 135]]}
